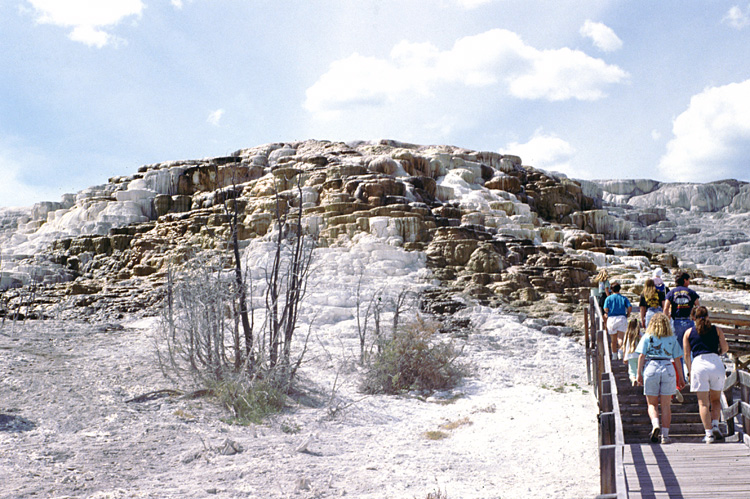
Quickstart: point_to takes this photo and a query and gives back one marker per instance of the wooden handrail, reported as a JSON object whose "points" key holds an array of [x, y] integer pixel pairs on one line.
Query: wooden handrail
{"points": [[742, 406], [611, 437]]}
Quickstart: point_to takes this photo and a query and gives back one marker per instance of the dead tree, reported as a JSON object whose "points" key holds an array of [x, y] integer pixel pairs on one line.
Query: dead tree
{"points": [[287, 280]]}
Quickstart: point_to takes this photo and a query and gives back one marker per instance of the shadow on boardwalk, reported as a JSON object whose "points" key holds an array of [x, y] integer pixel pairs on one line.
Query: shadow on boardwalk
{"points": [[688, 470]]}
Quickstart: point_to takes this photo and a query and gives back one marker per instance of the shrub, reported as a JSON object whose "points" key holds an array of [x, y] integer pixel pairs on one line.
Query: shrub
{"points": [[249, 401], [413, 359]]}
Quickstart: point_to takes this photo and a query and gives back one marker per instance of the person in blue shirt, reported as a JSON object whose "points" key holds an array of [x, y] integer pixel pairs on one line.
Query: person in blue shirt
{"points": [[657, 374], [616, 311]]}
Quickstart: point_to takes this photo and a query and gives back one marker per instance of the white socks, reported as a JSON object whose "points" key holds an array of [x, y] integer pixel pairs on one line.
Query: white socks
{"points": [[655, 422]]}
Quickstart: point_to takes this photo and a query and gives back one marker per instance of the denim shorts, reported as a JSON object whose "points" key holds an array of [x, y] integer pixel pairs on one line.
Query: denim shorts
{"points": [[659, 378], [650, 313]]}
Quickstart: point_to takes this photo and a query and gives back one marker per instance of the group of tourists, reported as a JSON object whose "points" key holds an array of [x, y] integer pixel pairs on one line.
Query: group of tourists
{"points": [[679, 345]]}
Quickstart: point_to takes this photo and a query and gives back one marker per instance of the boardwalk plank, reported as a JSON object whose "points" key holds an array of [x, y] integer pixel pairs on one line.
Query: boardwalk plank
{"points": [[687, 470]]}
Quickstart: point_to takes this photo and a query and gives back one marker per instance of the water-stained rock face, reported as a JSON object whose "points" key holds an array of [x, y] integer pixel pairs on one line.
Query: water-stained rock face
{"points": [[490, 227], [706, 226]]}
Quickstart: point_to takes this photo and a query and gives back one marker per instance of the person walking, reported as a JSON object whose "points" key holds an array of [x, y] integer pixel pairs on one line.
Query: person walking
{"points": [[658, 282], [657, 348], [617, 308], [703, 345], [629, 344], [679, 305], [600, 289], [651, 302]]}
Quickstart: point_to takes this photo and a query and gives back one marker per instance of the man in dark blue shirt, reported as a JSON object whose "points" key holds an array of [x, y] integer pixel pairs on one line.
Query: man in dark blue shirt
{"points": [[679, 306]]}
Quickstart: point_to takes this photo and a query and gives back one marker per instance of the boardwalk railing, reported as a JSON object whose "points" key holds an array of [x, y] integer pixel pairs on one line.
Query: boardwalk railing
{"points": [[611, 438], [742, 406]]}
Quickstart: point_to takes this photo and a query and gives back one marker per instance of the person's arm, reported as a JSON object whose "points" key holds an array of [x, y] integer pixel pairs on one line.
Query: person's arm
{"points": [[678, 368], [630, 309], [643, 315], [667, 307], [641, 363], [723, 345], [686, 348]]}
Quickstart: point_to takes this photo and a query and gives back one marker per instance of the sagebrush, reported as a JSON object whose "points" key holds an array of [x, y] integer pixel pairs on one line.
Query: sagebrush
{"points": [[415, 358]]}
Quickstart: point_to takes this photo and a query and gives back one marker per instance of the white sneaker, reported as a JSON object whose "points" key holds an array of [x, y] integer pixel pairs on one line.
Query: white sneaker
{"points": [[665, 440], [678, 396], [709, 439], [716, 433]]}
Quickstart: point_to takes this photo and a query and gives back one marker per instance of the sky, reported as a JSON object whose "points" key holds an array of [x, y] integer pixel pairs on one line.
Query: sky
{"points": [[594, 89]]}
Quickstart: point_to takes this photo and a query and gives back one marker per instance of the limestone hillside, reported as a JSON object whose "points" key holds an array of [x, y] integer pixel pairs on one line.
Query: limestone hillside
{"points": [[492, 228]]}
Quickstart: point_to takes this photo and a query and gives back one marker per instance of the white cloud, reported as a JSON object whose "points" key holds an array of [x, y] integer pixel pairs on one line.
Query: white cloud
{"points": [[472, 4], [566, 74], [603, 37], [89, 19], [737, 18], [177, 4], [712, 137], [495, 58], [214, 117], [546, 151], [655, 134]]}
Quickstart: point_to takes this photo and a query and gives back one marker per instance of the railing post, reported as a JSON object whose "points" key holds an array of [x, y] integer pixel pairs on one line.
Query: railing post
{"points": [[607, 428], [607, 467], [605, 397], [599, 359], [745, 397], [586, 320], [729, 394]]}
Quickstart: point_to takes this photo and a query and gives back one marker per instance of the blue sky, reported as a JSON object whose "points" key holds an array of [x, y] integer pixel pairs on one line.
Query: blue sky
{"points": [[595, 89]]}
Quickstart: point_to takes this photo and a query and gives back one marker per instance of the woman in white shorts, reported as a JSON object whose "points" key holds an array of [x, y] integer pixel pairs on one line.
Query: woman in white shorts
{"points": [[703, 345]]}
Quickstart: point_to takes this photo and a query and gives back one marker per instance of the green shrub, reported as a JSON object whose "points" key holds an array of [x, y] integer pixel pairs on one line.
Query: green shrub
{"points": [[249, 401], [413, 360]]}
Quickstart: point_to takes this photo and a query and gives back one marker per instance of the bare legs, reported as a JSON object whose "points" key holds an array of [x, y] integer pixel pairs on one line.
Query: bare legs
{"points": [[709, 405], [666, 409], [616, 341]]}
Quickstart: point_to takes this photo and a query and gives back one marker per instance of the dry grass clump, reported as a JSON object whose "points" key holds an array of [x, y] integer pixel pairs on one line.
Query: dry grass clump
{"points": [[452, 425], [435, 435], [437, 494], [414, 359]]}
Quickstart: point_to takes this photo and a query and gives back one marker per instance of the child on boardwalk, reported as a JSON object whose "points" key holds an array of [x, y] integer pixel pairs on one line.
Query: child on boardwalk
{"points": [[629, 344], [657, 348]]}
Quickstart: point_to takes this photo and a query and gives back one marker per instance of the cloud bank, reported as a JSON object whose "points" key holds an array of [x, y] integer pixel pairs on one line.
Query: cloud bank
{"points": [[712, 137], [497, 59]]}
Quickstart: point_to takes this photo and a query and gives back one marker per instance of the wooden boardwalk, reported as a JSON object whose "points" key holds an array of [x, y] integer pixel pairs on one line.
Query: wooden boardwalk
{"points": [[632, 467], [688, 470]]}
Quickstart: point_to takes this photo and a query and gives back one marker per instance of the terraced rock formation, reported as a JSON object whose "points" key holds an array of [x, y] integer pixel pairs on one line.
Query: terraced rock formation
{"points": [[492, 228]]}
